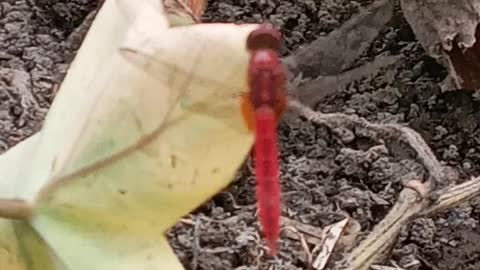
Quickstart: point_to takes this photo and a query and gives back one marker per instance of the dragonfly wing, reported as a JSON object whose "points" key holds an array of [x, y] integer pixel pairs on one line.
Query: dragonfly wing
{"points": [[153, 10], [208, 69], [204, 68]]}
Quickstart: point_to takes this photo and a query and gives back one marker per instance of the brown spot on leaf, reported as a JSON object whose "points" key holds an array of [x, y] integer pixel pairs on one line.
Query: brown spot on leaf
{"points": [[195, 175], [173, 161], [54, 163]]}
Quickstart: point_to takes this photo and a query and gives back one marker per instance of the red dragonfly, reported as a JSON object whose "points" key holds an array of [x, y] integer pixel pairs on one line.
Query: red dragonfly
{"points": [[261, 107], [265, 103]]}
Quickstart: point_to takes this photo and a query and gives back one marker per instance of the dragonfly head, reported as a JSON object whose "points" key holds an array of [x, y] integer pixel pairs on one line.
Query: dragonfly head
{"points": [[264, 37]]}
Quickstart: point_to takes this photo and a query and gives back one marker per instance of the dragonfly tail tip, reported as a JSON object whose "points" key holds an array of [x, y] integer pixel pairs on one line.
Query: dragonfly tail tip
{"points": [[272, 247]]}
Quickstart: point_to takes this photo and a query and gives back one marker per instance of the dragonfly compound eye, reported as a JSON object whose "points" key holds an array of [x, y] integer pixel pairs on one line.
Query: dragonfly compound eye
{"points": [[264, 37]]}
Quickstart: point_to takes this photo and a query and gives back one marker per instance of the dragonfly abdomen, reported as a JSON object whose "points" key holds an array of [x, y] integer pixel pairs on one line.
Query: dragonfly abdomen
{"points": [[267, 174]]}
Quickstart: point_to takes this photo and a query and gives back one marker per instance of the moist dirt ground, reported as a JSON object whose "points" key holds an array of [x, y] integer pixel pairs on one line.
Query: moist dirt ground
{"points": [[323, 177]]}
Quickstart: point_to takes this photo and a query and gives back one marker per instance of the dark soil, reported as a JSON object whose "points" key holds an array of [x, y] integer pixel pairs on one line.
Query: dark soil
{"points": [[323, 176]]}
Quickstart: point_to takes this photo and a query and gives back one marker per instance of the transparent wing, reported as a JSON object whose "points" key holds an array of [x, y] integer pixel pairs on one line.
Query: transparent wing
{"points": [[205, 63], [133, 9], [205, 66]]}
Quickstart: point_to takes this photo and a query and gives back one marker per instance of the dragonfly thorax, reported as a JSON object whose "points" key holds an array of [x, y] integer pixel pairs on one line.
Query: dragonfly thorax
{"points": [[265, 78]]}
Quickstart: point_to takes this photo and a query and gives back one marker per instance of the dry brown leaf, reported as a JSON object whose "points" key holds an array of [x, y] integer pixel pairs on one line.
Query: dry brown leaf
{"points": [[466, 64], [331, 236], [312, 234], [190, 8], [449, 29], [350, 233], [197, 7]]}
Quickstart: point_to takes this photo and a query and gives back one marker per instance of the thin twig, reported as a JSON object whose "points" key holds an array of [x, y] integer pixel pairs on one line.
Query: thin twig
{"points": [[452, 196], [196, 244], [336, 52], [329, 65], [303, 242], [334, 121]]}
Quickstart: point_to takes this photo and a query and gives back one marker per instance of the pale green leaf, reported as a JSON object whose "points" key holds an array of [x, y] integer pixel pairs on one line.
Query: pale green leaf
{"points": [[132, 144], [21, 248]]}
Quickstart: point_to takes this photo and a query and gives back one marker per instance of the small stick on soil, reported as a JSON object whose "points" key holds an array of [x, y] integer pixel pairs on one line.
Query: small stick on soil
{"points": [[196, 244], [304, 243], [234, 202], [326, 62], [324, 56], [313, 235], [414, 200], [452, 196]]}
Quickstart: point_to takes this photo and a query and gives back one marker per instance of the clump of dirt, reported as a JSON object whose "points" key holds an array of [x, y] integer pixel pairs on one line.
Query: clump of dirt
{"points": [[300, 21], [35, 50], [324, 177]]}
